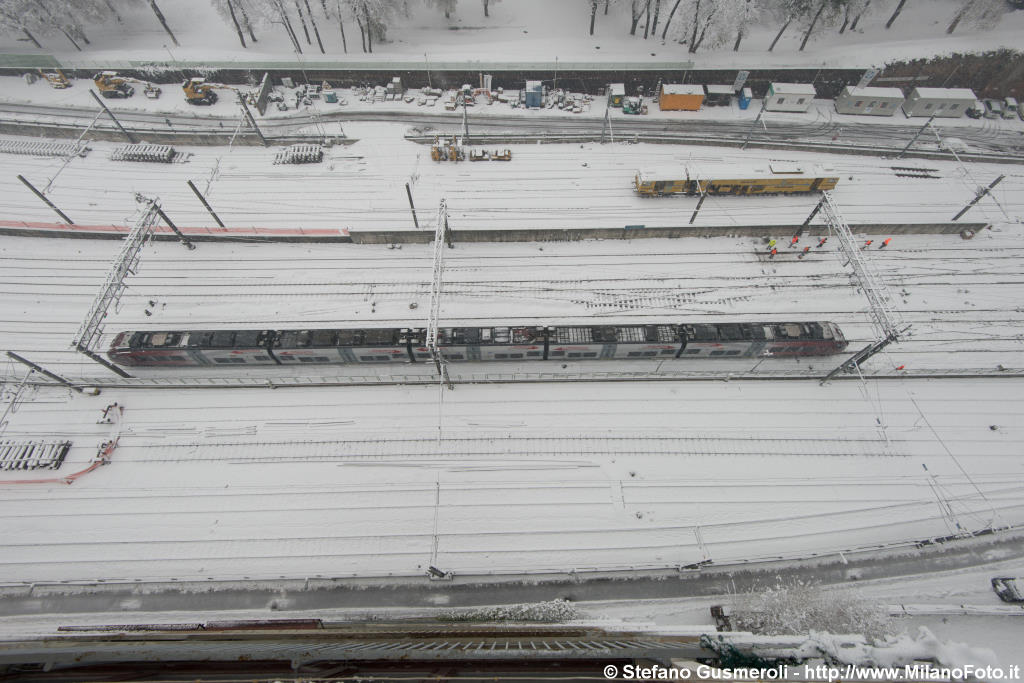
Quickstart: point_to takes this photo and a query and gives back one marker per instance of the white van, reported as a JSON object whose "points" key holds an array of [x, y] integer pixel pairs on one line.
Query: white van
{"points": [[1010, 107]]}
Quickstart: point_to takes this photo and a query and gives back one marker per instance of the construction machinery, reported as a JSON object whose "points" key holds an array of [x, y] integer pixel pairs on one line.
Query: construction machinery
{"points": [[111, 85], [447, 149], [56, 79], [633, 105], [200, 91]]}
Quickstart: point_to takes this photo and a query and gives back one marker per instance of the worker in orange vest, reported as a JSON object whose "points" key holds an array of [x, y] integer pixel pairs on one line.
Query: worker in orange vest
{"points": [[822, 241], [885, 243], [773, 252], [792, 242], [804, 252], [867, 244]]}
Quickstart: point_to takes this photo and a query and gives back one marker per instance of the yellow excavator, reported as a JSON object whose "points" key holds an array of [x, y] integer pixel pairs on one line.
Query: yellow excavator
{"points": [[200, 91], [56, 78], [111, 85]]}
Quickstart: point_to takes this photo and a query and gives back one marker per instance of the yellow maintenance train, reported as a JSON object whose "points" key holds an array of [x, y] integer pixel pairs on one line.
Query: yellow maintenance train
{"points": [[769, 178]]}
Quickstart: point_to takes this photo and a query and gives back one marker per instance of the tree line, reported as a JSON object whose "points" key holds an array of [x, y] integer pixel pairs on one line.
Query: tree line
{"points": [[699, 24]]}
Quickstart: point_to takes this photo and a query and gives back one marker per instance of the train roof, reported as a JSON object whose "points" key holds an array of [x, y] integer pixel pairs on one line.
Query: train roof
{"points": [[755, 169]]}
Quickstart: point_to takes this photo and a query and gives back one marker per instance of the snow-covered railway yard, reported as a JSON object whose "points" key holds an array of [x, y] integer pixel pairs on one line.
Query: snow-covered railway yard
{"points": [[225, 482], [362, 186], [361, 480]]}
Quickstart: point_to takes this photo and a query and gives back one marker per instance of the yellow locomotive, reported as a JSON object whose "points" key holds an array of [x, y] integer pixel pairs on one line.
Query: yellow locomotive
{"points": [[771, 178]]}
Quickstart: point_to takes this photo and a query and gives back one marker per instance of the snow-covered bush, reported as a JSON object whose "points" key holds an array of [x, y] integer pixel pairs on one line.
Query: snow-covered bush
{"points": [[551, 612], [798, 608]]}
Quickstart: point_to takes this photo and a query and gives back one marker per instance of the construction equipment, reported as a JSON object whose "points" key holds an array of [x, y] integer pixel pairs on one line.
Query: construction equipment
{"points": [[112, 86], [447, 149], [56, 79], [199, 91], [633, 105]]}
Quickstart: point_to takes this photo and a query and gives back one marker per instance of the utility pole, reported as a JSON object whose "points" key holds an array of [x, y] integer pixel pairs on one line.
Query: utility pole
{"points": [[977, 197], [412, 207], [44, 371], [251, 120], [700, 202], [811, 217], [131, 138], [608, 124], [756, 121], [916, 136], [170, 224], [205, 203], [465, 119], [48, 202]]}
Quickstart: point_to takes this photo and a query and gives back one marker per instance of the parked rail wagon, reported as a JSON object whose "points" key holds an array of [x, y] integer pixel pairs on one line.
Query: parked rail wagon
{"points": [[465, 344], [776, 177]]}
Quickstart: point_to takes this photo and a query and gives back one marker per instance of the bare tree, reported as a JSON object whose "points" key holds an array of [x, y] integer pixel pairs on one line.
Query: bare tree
{"points": [[863, 10], [790, 11], [980, 13], [833, 7], [316, 30], [637, 8], [593, 15], [896, 13], [669, 20], [163, 22], [657, 11]]}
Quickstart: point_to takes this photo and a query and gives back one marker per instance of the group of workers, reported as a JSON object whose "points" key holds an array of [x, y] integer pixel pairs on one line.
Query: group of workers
{"points": [[772, 250]]}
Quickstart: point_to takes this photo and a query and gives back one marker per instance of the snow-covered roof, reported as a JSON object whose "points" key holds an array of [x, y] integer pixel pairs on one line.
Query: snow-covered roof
{"points": [[793, 89], [880, 93], [720, 89], [681, 89], [944, 93]]}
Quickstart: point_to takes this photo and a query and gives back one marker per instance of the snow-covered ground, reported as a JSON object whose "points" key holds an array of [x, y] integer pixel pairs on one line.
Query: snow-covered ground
{"points": [[527, 31], [376, 481], [362, 186]]}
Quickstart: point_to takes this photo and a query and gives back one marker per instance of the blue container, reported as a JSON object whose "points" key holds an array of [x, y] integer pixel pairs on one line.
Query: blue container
{"points": [[745, 96], [534, 93]]}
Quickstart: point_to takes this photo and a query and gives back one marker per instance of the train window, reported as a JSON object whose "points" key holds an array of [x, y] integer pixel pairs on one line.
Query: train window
{"points": [[717, 353], [928, 105], [501, 355], [261, 357], [874, 103], [533, 354], [590, 355], [801, 100], [304, 359], [668, 352], [650, 353], [883, 105], [780, 100], [954, 106], [574, 355], [777, 349], [691, 352], [423, 355], [858, 103], [455, 356], [228, 360], [732, 353], [382, 357], [515, 355], [555, 354], [634, 354], [367, 358]]}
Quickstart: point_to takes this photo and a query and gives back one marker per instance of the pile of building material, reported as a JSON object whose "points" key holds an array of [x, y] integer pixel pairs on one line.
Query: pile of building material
{"points": [[163, 154], [43, 148], [300, 154]]}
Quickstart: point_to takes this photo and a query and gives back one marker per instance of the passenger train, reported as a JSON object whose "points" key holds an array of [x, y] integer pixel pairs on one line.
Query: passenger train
{"points": [[462, 344], [774, 177]]}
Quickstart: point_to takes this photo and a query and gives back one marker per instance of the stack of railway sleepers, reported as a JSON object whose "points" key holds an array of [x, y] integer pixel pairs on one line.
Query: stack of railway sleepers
{"points": [[163, 154], [43, 148], [300, 154], [33, 455]]}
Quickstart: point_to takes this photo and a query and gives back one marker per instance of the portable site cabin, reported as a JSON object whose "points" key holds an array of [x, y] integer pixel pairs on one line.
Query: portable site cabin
{"points": [[869, 101], [789, 97], [719, 95], [948, 103], [616, 93], [534, 93], [678, 97]]}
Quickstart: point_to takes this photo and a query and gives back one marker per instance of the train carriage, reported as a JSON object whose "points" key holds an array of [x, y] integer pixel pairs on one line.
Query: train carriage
{"points": [[776, 177], [468, 344], [292, 347]]}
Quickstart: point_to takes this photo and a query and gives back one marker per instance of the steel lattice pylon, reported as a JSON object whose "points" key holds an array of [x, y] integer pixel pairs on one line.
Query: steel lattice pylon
{"points": [[124, 265], [886, 320], [440, 234], [888, 324]]}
